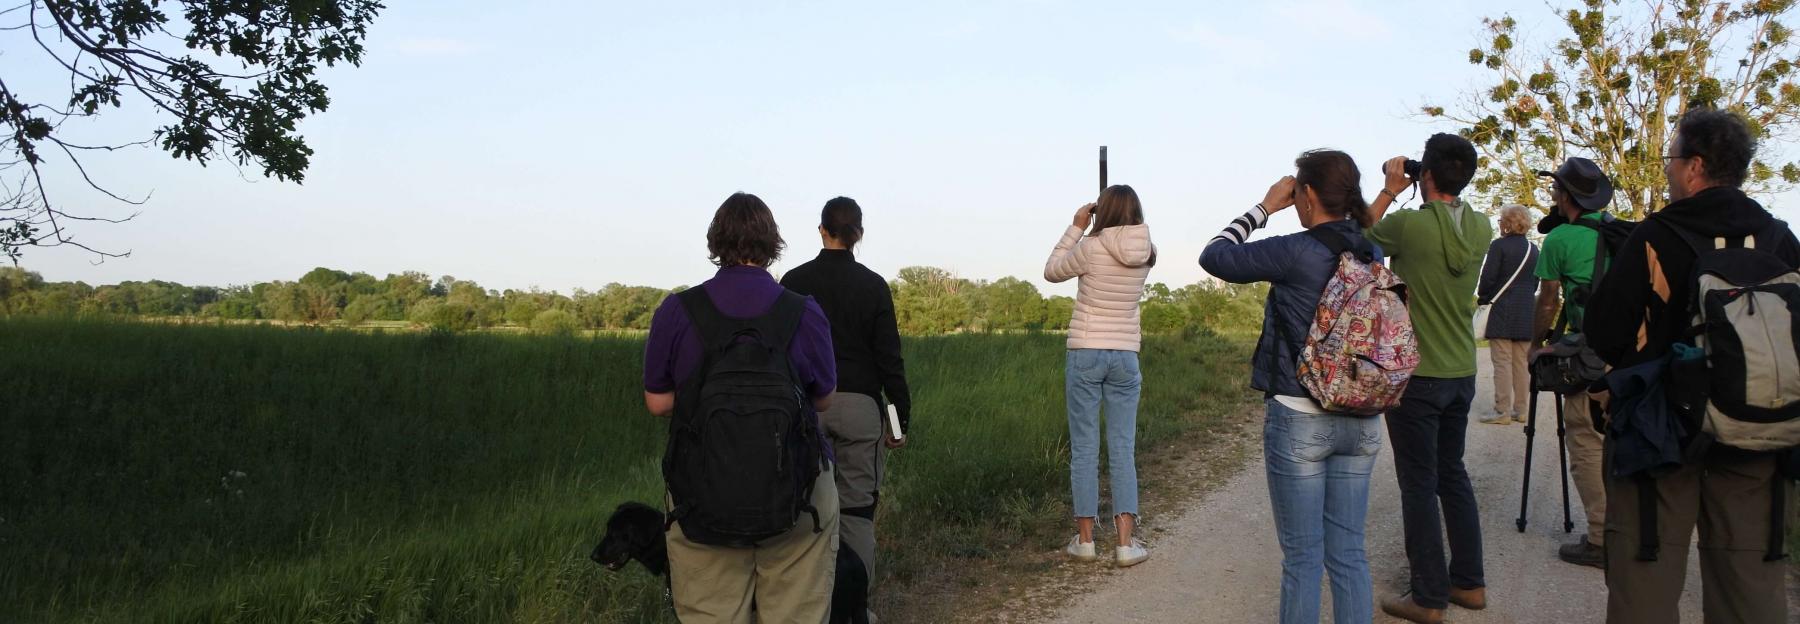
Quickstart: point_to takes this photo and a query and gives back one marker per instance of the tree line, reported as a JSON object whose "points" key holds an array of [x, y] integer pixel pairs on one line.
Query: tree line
{"points": [[927, 300]]}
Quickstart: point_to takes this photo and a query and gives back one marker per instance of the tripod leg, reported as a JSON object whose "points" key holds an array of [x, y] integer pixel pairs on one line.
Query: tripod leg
{"points": [[1563, 455], [1530, 431]]}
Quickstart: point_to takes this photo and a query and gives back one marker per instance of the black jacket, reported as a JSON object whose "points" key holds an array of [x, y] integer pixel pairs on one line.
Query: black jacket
{"points": [[863, 329], [1648, 289], [1510, 318]]}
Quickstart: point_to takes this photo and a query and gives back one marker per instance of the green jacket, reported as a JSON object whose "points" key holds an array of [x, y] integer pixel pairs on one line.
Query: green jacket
{"points": [[1440, 260]]}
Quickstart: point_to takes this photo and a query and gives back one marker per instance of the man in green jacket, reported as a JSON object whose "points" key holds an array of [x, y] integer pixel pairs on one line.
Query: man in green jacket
{"points": [[1566, 266], [1438, 250]]}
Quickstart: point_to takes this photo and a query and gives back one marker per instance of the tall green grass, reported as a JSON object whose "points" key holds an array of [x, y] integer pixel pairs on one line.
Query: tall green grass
{"points": [[193, 473]]}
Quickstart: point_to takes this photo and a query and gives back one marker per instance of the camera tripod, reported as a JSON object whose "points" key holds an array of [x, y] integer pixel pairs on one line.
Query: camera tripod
{"points": [[1562, 457]]}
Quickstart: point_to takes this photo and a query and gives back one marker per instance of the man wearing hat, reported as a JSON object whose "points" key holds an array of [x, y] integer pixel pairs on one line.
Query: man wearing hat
{"points": [[1566, 268]]}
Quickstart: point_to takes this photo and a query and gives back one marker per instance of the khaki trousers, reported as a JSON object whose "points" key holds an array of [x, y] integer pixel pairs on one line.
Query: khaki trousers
{"points": [[1512, 376], [1728, 500], [790, 577], [854, 425], [1587, 454]]}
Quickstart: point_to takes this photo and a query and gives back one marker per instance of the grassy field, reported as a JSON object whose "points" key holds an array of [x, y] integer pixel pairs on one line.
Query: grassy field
{"points": [[194, 473]]}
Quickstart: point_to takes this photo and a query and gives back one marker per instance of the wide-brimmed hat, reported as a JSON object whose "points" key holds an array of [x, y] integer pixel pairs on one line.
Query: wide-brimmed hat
{"points": [[1585, 182]]}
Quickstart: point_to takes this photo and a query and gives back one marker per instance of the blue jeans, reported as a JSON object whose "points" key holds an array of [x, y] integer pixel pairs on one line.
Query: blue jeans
{"points": [[1097, 377], [1318, 467]]}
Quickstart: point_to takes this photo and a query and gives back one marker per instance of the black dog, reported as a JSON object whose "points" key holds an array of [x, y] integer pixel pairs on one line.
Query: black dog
{"points": [[635, 532]]}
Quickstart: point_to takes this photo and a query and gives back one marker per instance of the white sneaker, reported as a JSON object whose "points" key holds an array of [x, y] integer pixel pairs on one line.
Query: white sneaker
{"points": [[1080, 550], [1128, 556]]}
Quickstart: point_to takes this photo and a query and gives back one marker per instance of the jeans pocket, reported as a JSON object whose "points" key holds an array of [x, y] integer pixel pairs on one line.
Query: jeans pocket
{"points": [[1088, 365], [1368, 437], [1311, 437]]}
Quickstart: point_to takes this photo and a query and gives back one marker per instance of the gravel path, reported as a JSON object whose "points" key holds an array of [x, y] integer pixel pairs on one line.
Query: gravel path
{"points": [[1220, 562]]}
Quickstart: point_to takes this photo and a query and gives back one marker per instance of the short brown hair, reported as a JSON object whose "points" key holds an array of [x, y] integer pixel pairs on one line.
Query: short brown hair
{"points": [[743, 231], [1514, 219]]}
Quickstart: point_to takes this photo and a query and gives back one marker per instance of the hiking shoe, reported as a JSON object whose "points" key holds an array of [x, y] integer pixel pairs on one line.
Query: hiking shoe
{"points": [[1404, 608], [1583, 553], [1497, 419], [1519, 418], [1471, 599], [1081, 551], [1127, 556]]}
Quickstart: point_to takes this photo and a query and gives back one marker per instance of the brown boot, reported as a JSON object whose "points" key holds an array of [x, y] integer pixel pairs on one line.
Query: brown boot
{"points": [[1471, 599], [1404, 608]]}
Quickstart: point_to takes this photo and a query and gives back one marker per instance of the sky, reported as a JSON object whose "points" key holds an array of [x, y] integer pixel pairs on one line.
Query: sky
{"points": [[564, 145]]}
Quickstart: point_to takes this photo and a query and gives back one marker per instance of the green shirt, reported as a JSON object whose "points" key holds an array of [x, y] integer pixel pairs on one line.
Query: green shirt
{"points": [[1440, 260], [1568, 257]]}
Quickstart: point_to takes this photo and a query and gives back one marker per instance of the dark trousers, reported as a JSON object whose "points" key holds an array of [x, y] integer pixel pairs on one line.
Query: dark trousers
{"points": [[1427, 432]]}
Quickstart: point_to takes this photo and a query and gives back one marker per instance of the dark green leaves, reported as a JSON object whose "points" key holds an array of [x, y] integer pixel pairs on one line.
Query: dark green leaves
{"points": [[228, 78]]}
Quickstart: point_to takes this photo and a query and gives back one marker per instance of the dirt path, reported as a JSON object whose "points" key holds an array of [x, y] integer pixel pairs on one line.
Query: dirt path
{"points": [[1219, 560]]}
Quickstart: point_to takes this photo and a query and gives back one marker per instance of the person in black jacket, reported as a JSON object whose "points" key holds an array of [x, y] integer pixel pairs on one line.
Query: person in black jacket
{"points": [[1636, 313], [866, 337], [1507, 282]]}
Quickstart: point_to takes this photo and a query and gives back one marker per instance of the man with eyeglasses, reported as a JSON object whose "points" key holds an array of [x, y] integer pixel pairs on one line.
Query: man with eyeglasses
{"points": [[1638, 311]]}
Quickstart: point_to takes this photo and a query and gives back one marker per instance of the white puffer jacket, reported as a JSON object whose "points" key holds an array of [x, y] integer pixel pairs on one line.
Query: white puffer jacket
{"points": [[1112, 266]]}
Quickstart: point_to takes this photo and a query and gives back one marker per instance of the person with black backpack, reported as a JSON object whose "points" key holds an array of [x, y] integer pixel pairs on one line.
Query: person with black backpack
{"points": [[1574, 258], [1699, 299], [742, 367]]}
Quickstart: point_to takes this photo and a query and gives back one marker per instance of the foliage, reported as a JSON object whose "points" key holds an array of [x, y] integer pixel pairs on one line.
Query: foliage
{"points": [[927, 301], [226, 79], [555, 322], [1613, 87]]}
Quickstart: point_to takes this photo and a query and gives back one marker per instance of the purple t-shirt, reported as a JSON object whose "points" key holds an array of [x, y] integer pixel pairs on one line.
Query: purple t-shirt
{"points": [[673, 351]]}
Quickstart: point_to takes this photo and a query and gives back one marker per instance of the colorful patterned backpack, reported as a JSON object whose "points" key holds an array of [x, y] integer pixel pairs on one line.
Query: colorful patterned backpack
{"points": [[1361, 350]]}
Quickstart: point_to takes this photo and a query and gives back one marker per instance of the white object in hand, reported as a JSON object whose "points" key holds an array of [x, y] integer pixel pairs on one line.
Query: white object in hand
{"points": [[894, 422]]}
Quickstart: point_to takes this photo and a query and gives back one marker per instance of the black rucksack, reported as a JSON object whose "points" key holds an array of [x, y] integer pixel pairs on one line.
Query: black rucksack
{"points": [[1571, 366], [744, 449]]}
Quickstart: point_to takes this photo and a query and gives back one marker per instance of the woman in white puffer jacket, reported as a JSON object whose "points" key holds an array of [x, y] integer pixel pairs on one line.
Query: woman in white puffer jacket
{"points": [[1112, 262]]}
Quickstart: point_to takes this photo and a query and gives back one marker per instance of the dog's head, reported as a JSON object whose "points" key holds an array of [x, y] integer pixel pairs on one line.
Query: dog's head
{"points": [[635, 531]]}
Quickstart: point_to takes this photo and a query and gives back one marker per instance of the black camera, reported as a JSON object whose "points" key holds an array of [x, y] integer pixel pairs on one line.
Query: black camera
{"points": [[1412, 168]]}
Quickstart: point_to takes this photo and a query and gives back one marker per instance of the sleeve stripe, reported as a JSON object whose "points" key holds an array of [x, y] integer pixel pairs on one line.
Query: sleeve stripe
{"points": [[1241, 227]]}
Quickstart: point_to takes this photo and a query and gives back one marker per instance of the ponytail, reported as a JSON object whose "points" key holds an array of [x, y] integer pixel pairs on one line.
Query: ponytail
{"points": [[842, 219]]}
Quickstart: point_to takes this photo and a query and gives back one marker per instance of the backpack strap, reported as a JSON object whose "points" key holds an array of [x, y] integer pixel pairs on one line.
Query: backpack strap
{"points": [[778, 326], [715, 328], [1602, 260], [1777, 518], [1648, 535], [1339, 245], [782, 322]]}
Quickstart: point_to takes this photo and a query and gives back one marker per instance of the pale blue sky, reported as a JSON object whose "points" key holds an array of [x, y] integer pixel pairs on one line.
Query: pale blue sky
{"points": [[573, 144]]}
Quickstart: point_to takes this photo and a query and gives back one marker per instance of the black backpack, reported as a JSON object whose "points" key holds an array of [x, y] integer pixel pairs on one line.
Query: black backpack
{"points": [[744, 449], [1571, 366]]}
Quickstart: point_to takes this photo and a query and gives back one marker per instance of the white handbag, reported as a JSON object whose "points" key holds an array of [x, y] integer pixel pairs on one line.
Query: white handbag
{"points": [[1481, 312]]}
